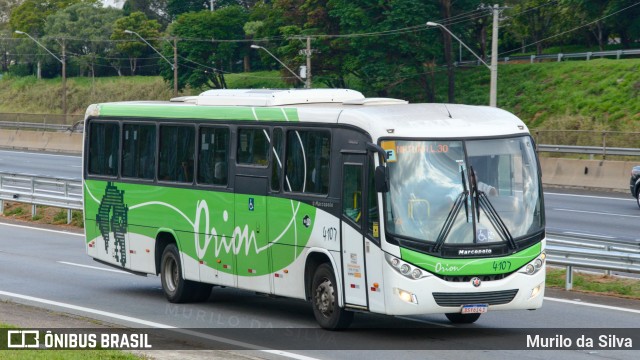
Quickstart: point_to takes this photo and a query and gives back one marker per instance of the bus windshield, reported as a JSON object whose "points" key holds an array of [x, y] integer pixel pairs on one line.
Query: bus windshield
{"points": [[463, 192]]}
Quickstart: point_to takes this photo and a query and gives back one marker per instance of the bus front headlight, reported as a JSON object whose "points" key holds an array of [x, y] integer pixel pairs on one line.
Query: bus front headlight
{"points": [[407, 270], [534, 265]]}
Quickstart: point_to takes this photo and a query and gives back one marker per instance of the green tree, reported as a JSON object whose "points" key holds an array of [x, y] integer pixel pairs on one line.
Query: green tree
{"points": [[134, 49], [203, 63], [586, 11], [5, 9], [387, 61], [30, 16], [536, 20], [153, 9], [178, 7], [91, 23], [626, 21]]}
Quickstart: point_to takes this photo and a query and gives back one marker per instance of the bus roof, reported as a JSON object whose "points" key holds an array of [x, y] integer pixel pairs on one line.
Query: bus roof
{"points": [[378, 116]]}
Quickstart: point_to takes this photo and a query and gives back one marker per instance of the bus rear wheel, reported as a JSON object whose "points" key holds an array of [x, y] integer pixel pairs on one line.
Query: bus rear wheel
{"points": [[176, 288], [324, 298], [458, 318]]}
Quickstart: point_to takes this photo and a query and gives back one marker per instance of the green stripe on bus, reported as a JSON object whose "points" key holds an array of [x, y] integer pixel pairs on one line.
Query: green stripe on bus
{"points": [[471, 266], [199, 112]]}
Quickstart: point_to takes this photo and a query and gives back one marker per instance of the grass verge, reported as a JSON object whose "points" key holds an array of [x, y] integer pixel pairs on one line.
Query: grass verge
{"points": [[596, 283]]}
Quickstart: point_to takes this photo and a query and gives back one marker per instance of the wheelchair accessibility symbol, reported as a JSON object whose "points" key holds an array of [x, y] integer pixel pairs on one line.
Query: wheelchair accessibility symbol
{"points": [[251, 204]]}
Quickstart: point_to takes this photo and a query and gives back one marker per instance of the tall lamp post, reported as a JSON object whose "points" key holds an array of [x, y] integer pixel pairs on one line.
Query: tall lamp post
{"points": [[62, 60], [493, 91], [281, 63], [174, 64]]}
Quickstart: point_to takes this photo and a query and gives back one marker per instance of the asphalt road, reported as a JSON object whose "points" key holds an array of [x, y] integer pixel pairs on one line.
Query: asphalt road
{"points": [[49, 269], [41, 164]]}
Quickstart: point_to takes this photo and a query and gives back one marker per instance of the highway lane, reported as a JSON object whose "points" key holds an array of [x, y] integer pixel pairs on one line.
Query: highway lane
{"points": [[609, 215], [53, 266], [41, 164]]}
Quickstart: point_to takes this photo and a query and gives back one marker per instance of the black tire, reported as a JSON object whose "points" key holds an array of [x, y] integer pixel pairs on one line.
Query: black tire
{"points": [[324, 299], [638, 197], [176, 288], [457, 318]]}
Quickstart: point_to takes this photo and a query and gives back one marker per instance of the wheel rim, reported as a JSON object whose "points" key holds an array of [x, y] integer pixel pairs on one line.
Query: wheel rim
{"points": [[171, 274], [325, 298]]}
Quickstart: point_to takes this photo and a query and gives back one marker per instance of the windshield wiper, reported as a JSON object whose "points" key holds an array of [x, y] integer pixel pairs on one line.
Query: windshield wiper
{"points": [[496, 220], [482, 201], [448, 223]]}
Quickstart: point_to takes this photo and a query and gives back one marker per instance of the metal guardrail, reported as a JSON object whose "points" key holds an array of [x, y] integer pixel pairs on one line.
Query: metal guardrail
{"points": [[558, 57], [591, 252], [591, 150], [41, 190], [77, 127]]}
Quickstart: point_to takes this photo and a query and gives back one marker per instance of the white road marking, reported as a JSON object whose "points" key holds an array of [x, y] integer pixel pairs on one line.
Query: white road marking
{"points": [[95, 267], [590, 235], [42, 154], [596, 213], [608, 307], [153, 324], [41, 229], [591, 196]]}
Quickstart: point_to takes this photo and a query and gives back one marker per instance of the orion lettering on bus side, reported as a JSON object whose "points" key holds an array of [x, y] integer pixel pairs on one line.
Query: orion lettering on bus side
{"points": [[242, 237]]}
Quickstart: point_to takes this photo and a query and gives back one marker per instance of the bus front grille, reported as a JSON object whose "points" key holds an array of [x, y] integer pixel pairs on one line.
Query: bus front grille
{"points": [[489, 297]]}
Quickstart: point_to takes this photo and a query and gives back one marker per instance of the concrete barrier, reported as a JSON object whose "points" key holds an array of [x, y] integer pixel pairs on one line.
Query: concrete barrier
{"points": [[64, 142], [592, 174]]}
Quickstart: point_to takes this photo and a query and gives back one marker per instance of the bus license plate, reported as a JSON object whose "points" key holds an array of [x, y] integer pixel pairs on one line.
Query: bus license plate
{"points": [[475, 309]]}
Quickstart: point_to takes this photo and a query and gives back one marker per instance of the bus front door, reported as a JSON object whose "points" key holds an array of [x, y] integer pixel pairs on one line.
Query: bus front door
{"points": [[352, 234]]}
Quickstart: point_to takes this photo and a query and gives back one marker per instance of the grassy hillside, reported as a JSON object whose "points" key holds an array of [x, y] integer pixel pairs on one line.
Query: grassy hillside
{"points": [[598, 94]]}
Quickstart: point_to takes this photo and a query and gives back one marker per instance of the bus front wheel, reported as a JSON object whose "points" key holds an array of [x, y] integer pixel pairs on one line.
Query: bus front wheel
{"points": [[176, 288], [457, 318], [324, 298]]}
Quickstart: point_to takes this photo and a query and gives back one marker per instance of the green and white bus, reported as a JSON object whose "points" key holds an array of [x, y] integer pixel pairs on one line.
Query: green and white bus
{"points": [[353, 203]]}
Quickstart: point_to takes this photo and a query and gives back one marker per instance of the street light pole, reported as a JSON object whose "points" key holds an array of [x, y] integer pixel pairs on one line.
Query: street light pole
{"points": [[494, 58], [278, 60], [174, 65], [64, 68]]}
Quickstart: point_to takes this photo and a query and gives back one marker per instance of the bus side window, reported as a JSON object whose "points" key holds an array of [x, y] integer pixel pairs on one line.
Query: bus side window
{"points": [[138, 151], [176, 153], [104, 144], [253, 146], [213, 153], [277, 159], [307, 161]]}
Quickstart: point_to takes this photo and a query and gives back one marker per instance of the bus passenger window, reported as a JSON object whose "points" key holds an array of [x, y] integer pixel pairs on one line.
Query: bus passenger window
{"points": [[307, 161], [213, 152], [176, 153], [104, 144], [138, 151], [253, 146], [277, 159]]}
